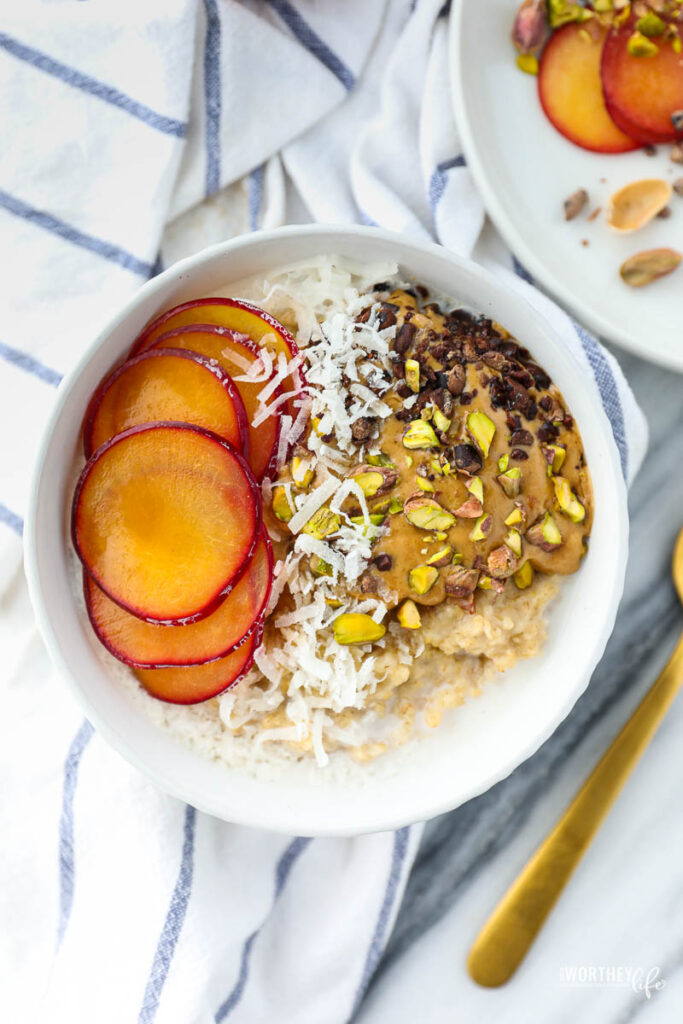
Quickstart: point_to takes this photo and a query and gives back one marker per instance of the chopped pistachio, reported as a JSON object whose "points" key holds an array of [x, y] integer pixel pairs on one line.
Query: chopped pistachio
{"points": [[382, 506], [457, 558], [561, 12], [425, 485], [481, 527], [650, 25], [511, 481], [319, 567], [440, 535], [356, 628], [440, 421], [568, 501], [282, 506], [514, 517], [427, 514], [444, 556], [545, 534], [408, 615], [481, 429], [395, 506], [379, 460], [524, 576], [376, 518], [475, 487], [412, 372], [502, 562], [369, 483], [485, 583], [503, 463], [409, 461], [322, 523], [427, 412], [528, 63], [420, 434], [436, 467], [513, 539], [470, 509], [447, 469], [639, 45], [554, 455], [422, 578], [302, 472]]}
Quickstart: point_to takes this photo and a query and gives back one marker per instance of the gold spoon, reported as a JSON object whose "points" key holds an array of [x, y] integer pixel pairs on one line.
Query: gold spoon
{"points": [[509, 932]]}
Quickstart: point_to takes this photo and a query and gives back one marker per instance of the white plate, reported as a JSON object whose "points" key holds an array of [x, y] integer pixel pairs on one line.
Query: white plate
{"points": [[524, 169]]}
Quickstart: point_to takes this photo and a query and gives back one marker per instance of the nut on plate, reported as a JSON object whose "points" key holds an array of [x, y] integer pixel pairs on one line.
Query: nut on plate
{"points": [[524, 576], [282, 507], [442, 557], [412, 374], [645, 267], [502, 562], [575, 203], [357, 628], [481, 528], [636, 204], [374, 480], [461, 582], [511, 481], [426, 513], [530, 27]]}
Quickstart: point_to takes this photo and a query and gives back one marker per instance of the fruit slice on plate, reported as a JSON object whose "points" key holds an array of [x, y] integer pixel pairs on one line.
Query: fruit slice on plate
{"points": [[192, 684], [643, 92], [165, 517], [235, 354], [148, 645], [570, 91], [167, 384], [233, 315]]}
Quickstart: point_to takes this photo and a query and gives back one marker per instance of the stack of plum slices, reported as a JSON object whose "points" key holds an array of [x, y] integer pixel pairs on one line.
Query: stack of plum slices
{"points": [[167, 513]]}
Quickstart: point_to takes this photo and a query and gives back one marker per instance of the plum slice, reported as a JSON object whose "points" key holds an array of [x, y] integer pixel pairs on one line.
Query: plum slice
{"points": [[165, 517], [570, 91], [167, 384], [192, 684], [642, 93], [235, 354], [234, 315], [149, 645]]}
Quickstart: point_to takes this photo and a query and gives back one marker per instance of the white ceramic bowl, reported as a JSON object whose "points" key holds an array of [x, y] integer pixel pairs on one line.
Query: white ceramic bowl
{"points": [[488, 737]]}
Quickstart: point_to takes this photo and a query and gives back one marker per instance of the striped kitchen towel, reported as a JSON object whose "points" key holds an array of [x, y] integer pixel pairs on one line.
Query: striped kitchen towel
{"points": [[134, 134]]}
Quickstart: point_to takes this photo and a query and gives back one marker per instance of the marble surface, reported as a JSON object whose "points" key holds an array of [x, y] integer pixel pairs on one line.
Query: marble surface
{"points": [[622, 909]]}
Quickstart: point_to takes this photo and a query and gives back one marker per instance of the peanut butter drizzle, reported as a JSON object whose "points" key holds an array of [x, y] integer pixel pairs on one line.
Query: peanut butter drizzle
{"points": [[409, 546]]}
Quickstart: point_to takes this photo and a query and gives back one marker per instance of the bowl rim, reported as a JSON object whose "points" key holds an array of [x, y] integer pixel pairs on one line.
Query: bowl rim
{"points": [[282, 820]]}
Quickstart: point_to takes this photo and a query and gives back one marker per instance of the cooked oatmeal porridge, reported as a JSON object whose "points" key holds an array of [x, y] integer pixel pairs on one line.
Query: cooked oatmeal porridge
{"points": [[425, 493]]}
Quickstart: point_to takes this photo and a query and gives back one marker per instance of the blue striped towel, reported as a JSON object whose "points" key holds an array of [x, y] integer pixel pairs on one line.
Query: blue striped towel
{"points": [[134, 134]]}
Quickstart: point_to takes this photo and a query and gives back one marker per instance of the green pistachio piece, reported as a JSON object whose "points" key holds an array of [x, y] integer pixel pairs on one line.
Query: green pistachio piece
{"points": [[319, 567], [395, 506], [422, 578], [380, 460], [555, 455], [302, 472], [476, 488], [511, 481], [420, 434], [639, 45], [514, 517], [427, 514], [528, 63], [650, 25], [356, 628], [561, 12], [524, 576], [567, 500], [323, 523], [436, 467], [503, 463], [408, 615], [481, 527], [444, 556], [481, 429], [513, 540], [441, 422], [412, 373], [282, 507], [425, 485], [369, 483], [545, 534]]}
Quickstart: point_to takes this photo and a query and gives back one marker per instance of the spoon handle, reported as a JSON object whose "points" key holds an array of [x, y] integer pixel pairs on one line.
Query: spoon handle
{"points": [[506, 937]]}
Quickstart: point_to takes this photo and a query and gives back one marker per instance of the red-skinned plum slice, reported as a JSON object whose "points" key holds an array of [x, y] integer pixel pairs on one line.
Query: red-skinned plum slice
{"points": [[165, 518]]}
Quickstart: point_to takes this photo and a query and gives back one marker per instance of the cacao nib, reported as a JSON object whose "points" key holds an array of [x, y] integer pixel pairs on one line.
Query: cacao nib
{"points": [[467, 458], [519, 455], [404, 338], [547, 432], [383, 561], [523, 437]]}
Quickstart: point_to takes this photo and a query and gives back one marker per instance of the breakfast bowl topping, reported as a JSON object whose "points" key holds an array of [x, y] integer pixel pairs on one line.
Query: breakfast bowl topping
{"points": [[332, 505]]}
